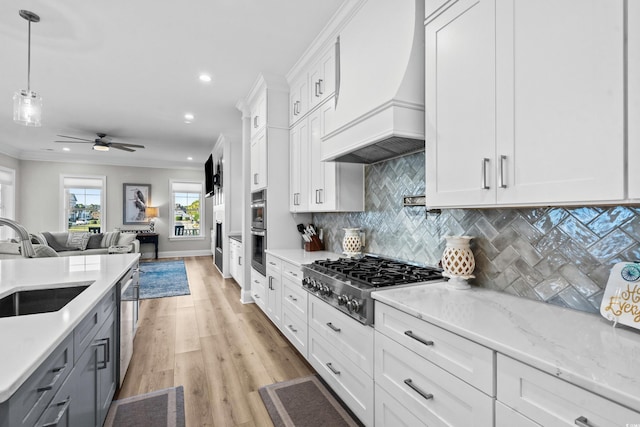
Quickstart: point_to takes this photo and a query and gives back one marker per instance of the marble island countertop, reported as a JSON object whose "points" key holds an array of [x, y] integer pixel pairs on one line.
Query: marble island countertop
{"points": [[28, 340], [579, 347]]}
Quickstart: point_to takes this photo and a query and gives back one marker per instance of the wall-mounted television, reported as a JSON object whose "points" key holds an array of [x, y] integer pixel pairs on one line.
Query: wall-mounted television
{"points": [[209, 188]]}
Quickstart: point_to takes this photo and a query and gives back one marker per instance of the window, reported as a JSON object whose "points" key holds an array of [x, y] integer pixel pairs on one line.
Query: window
{"points": [[84, 203], [7, 200], [187, 216]]}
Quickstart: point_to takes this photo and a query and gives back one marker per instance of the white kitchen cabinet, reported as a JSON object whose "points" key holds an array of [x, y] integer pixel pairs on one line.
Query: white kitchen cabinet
{"points": [[389, 412], [507, 417], [322, 77], [519, 113], [235, 261], [633, 87], [322, 186], [299, 167], [299, 98], [551, 401], [259, 161], [273, 291], [258, 289], [259, 113], [294, 309], [344, 377]]}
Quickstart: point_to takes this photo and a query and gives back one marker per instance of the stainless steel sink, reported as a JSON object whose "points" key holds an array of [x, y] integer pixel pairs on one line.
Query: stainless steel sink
{"points": [[36, 301]]}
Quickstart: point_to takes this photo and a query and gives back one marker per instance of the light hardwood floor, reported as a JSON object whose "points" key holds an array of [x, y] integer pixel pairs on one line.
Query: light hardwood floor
{"points": [[219, 349]]}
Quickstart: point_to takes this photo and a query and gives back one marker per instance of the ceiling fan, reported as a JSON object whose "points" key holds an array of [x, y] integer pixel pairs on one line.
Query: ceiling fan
{"points": [[102, 143]]}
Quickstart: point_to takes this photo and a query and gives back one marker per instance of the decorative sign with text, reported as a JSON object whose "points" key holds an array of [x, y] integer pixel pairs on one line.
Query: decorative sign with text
{"points": [[621, 300]]}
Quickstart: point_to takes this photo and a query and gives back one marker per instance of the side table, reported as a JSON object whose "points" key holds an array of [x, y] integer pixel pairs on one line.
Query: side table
{"points": [[148, 238]]}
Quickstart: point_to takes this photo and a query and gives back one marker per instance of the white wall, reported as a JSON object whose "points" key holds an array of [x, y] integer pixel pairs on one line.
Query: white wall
{"points": [[39, 199]]}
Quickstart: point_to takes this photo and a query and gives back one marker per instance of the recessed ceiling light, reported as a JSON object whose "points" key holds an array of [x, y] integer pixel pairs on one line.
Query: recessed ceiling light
{"points": [[188, 116], [66, 149], [205, 78], [189, 158]]}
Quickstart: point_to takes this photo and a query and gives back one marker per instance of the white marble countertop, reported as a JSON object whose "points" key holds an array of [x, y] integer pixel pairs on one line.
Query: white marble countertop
{"points": [[300, 256], [28, 340], [581, 348]]}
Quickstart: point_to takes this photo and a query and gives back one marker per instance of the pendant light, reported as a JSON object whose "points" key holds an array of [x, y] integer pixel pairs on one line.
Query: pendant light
{"points": [[27, 105]]}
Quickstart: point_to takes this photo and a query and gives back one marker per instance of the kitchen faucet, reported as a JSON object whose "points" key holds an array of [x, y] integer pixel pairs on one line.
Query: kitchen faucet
{"points": [[25, 239]]}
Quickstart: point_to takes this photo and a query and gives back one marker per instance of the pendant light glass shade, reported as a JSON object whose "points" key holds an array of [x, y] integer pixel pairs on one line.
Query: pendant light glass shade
{"points": [[27, 108], [27, 105]]}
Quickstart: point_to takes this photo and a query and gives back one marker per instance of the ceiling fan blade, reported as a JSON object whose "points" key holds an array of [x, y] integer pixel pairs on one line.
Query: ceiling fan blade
{"points": [[119, 147], [75, 142], [73, 137], [124, 144]]}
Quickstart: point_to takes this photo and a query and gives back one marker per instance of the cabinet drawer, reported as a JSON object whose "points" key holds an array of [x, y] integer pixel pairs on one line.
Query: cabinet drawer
{"points": [[465, 359], [292, 271], [390, 413], [28, 403], [274, 265], [295, 329], [294, 298], [89, 326], [353, 339], [346, 379], [258, 289], [551, 401], [429, 392]]}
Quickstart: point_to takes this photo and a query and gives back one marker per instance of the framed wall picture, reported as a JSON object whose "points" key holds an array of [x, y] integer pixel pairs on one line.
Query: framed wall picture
{"points": [[136, 198]]}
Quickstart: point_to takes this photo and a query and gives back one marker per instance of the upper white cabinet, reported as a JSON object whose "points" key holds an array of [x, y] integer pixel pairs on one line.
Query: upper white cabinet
{"points": [[524, 102], [317, 186], [322, 77], [259, 113], [259, 161], [299, 98]]}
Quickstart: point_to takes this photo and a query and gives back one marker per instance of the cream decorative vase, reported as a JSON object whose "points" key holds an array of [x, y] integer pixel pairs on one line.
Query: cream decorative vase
{"points": [[458, 261], [351, 243]]}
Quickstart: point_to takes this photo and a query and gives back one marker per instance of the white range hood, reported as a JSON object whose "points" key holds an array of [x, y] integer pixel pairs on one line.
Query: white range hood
{"points": [[380, 96]]}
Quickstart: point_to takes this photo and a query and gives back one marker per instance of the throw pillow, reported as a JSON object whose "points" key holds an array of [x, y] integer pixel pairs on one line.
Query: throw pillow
{"points": [[44, 251], [94, 241], [78, 240], [109, 239], [9, 248], [126, 239]]}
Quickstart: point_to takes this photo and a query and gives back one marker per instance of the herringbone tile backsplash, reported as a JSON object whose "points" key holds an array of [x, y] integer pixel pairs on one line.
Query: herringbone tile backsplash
{"points": [[558, 255]]}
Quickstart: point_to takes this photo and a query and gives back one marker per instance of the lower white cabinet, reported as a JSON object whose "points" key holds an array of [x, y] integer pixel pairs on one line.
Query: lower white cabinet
{"points": [[427, 391], [235, 261], [507, 417], [390, 412], [551, 401], [346, 379], [258, 289]]}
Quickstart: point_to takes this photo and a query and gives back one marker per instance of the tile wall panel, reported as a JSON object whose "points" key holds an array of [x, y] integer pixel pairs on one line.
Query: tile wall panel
{"points": [[558, 255]]}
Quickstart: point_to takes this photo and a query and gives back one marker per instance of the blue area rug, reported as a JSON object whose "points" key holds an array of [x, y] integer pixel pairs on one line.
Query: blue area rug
{"points": [[163, 279]]}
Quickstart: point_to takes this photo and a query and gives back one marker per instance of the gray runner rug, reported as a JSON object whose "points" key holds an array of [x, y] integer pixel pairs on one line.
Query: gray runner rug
{"points": [[156, 409]]}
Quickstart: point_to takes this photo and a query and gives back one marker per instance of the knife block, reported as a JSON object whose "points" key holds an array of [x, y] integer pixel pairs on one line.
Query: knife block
{"points": [[314, 245]]}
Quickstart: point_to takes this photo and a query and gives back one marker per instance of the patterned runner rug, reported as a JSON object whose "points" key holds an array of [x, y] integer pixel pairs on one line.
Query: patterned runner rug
{"points": [[160, 279]]}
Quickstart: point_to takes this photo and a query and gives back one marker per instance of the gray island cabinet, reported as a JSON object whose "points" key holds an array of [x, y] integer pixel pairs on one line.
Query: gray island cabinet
{"points": [[76, 382]]}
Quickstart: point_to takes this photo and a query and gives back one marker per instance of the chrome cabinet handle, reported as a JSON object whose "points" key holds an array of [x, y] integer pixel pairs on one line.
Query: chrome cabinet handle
{"points": [[65, 407], [239, 260], [417, 389], [255, 178], [255, 122], [256, 296], [503, 184], [270, 281], [320, 86], [321, 192], [104, 343], [49, 386], [410, 334], [292, 298], [484, 184], [333, 327], [582, 421], [334, 370], [292, 329]]}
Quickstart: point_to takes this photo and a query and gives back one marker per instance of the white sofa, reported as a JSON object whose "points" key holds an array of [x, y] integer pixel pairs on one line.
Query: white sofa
{"points": [[86, 244]]}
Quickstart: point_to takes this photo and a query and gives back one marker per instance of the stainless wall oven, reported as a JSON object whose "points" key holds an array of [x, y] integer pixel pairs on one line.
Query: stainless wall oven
{"points": [[259, 231]]}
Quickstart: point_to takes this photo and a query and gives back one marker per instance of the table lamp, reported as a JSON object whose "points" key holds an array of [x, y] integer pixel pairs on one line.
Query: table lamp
{"points": [[151, 214]]}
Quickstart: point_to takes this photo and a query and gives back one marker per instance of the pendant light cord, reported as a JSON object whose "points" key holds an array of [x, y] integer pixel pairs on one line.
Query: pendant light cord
{"points": [[29, 61]]}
